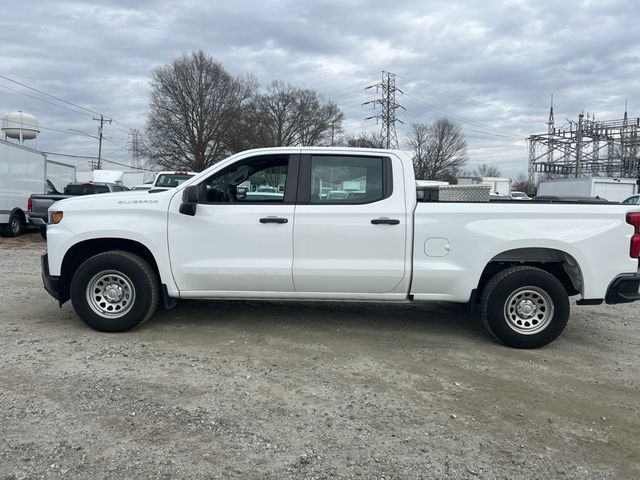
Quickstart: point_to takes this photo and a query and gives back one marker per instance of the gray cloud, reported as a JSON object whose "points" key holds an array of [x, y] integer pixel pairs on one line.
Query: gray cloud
{"points": [[487, 63]]}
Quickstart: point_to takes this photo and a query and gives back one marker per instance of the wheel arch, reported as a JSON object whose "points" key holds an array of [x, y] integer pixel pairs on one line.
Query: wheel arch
{"points": [[20, 212], [81, 251], [6, 228], [558, 263]]}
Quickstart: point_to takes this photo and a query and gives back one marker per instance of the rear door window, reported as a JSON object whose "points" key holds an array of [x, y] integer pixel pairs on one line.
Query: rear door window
{"points": [[346, 179]]}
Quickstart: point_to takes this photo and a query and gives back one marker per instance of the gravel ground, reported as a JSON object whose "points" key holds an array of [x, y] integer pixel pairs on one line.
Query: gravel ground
{"points": [[308, 390]]}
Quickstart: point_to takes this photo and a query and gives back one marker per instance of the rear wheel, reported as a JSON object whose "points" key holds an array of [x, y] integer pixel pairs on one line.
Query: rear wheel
{"points": [[14, 227], [525, 307], [114, 291]]}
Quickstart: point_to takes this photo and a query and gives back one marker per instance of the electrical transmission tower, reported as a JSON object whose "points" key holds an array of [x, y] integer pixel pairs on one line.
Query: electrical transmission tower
{"points": [[587, 147], [388, 106], [135, 149]]}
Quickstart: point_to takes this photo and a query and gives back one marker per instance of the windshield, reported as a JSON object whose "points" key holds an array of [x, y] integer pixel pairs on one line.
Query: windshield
{"points": [[171, 179]]}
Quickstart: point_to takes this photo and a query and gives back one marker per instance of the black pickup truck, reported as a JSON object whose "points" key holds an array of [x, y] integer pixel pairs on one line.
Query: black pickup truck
{"points": [[39, 203]]}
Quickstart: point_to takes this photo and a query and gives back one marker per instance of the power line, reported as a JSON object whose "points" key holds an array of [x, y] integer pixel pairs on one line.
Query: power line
{"points": [[485, 133], [51, 96], [463, 119], [58, 99], [452, 95], [85, 157], [42, 100]]}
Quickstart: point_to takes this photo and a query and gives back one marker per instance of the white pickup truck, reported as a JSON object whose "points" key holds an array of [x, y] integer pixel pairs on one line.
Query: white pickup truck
{"points": [[116, 256]]}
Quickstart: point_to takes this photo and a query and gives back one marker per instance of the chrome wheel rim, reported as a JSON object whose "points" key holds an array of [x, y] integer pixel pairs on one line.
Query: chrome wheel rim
{"points": [[110, 294], [528, 310], [15, 225]]}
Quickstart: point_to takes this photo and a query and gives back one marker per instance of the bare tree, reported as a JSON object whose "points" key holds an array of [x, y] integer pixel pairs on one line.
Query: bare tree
{"points": [[363, 140], [439, 149], [486, 170], [286, 116], [194, 108], [523, 184]]}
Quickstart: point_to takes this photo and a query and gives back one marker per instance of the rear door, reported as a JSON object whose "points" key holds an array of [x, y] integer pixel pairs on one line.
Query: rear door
{"points": [[350, 225]]}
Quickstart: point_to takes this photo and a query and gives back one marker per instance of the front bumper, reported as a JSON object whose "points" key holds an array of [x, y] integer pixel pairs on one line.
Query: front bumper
{"points": [[624, 289], [53, 285]]}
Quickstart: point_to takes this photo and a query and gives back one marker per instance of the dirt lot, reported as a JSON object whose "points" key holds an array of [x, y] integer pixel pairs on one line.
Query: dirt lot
{"points": [[308, 390]]}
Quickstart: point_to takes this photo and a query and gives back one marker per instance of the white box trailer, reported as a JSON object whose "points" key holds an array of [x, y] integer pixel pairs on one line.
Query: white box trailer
{"points": [[60, 174], [127, 178], [608, 188], [131, 178], [22, 172]]}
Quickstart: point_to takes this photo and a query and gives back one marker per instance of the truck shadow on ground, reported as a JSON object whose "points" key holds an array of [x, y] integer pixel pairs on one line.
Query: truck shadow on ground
{"points": [[365, 318]]}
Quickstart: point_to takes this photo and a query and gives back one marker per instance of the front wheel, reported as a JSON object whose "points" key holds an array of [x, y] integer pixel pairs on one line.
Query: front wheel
{"points": [[114, 291], [525, 307]]}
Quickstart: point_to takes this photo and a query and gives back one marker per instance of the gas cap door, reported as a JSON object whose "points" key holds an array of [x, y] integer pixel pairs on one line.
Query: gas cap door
{"points": [[437, 247]]}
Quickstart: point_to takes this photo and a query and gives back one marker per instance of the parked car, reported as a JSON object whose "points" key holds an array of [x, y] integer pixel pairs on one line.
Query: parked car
{"points": [[519, 195], [518, 261], [632, 200], [38, 204]]}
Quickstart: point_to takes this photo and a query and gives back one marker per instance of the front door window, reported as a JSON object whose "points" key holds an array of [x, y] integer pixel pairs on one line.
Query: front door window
{"points": [[261, 180]]}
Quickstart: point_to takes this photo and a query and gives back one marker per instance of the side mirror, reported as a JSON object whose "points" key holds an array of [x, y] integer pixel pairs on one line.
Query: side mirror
{"points": [[190, 199], [191, 194]]}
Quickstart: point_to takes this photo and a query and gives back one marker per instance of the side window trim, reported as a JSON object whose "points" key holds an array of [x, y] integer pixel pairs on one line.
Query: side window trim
{"points": [[304, 181], [291, 182]]}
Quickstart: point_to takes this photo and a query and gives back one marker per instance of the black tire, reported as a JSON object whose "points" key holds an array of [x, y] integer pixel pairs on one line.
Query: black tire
{"points": [[14, 227], [525, 307], [124, 291], [43, 231]]}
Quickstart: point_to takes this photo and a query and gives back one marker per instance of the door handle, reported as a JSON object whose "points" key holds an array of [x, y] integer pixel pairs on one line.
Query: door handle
{"points": [[273, 220], [385, 221]]}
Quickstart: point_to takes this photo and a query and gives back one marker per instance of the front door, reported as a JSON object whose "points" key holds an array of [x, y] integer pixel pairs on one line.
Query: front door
{"points": [[240, 238]]}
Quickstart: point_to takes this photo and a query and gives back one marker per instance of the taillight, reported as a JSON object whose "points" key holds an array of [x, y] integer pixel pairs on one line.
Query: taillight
{"points": [[633, 218], [30, 205]]}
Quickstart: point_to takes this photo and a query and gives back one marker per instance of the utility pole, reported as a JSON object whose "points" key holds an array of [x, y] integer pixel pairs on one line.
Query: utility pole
{"points": [[101, 120], [331, 124], [388, 104]]}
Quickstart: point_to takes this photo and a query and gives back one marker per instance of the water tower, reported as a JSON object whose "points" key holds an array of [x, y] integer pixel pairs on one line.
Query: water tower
{"points": [[21, 126]]}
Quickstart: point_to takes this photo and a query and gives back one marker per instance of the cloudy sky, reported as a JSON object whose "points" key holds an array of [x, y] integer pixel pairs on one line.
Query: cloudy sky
{"points": [[489, 65]]}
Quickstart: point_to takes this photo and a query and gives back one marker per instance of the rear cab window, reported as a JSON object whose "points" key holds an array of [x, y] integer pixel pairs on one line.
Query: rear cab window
{"points": [[85, 189]]}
